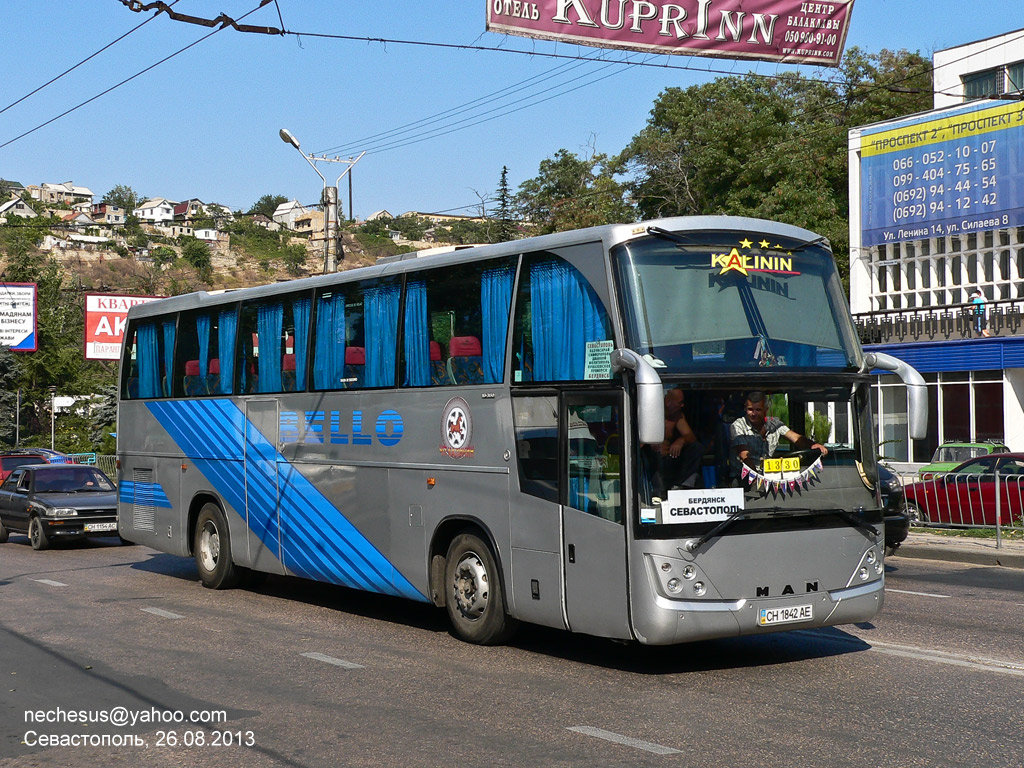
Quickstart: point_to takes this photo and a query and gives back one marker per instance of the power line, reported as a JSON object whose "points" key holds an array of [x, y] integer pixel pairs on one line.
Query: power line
{"points": [[83, 61], [125, 81]]}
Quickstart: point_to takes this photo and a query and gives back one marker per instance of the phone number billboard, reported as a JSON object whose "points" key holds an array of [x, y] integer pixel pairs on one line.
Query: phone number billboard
{"points": [[943, 174]]}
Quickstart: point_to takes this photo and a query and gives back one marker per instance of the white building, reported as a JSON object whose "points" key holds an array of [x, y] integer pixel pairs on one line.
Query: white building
{"points": [[155, 211], [936, 212], [286, 213]]}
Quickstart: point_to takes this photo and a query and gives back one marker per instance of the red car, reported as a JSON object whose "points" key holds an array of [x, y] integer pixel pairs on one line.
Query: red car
{"points": [[11, 459], [966, 495]]}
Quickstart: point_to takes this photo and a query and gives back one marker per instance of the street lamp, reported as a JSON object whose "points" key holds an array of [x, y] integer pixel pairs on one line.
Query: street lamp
{"points": [[329, 198], [53, 416]]}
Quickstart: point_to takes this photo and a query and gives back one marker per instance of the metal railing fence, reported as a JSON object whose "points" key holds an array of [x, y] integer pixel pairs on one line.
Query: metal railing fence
{"points": [[965, 500]]}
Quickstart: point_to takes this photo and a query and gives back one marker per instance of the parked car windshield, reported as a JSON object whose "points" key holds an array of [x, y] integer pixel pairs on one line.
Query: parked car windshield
{"points": [[958, 453], [70, 479]]}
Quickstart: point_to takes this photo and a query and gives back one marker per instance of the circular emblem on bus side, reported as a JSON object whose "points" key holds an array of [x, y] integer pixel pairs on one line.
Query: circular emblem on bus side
{"points": [[457, 429]]}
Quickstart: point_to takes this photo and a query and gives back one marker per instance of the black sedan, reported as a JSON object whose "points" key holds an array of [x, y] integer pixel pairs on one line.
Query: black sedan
{"points": [[894, 503], [57, 501]]}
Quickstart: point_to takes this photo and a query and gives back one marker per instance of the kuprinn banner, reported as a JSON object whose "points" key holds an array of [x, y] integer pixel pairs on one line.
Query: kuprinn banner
{"points": [[18, 317], [950, 173], [105, 317], [773, 30]]}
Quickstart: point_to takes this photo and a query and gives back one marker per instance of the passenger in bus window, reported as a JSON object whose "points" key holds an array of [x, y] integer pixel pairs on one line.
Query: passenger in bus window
{"points": [[755, 435], [681, 452]]}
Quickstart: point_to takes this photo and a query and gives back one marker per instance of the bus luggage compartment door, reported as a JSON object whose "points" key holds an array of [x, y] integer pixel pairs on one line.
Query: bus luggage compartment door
{"points": [[594, 535], [262, 512]]}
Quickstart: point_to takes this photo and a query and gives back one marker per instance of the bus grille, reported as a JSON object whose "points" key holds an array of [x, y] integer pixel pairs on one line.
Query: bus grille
{"points": [[143, 508]]}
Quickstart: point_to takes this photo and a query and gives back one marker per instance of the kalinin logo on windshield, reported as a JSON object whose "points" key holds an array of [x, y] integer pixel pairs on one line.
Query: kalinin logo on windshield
{"points": [[457, 429], [745, 263]]}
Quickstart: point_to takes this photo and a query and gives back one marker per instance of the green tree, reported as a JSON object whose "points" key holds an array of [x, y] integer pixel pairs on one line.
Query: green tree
{"points": [[506, 229], [570, 192], [268, 204], [773, 148], [123, 196], [198, 255]]}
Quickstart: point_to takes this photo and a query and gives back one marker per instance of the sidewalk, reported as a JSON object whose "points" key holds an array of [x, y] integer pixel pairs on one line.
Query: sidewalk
{"points": [[930, 546]]}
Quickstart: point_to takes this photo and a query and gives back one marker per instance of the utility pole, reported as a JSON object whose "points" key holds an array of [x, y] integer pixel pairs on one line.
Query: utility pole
{"points": [[332, 247]]}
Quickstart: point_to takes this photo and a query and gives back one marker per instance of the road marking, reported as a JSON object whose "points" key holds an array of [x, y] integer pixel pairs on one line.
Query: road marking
{"points": [[617, 738], [978, 663], [919, 594], [51, 582], [162, 612], [332, 660]]}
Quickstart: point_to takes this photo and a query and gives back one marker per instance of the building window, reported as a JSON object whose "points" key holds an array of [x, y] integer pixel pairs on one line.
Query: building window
{"points": [[1015, 77], [982, 85]]}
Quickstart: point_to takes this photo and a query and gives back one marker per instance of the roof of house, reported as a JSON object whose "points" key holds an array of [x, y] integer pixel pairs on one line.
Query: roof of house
{"points": [[16, 202], [69, 188]]}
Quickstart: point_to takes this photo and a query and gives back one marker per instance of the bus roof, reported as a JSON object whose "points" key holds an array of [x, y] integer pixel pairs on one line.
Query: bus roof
{"points": [[609, 234]]}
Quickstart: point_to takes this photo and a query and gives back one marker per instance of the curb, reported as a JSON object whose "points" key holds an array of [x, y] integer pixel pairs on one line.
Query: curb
{"points": [[989, 556]]}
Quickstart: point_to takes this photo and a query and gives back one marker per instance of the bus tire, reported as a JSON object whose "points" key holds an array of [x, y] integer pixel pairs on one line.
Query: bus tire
{"points": [[37, 535], [213, 550], [474, 599]]}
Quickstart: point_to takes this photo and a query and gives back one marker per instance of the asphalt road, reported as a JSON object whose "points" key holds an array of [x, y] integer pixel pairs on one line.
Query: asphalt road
{"points": [[301, 674]]}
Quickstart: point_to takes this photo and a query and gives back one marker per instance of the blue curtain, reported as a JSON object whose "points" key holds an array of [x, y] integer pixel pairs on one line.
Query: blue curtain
{"points": [[300, 317], [269, 323], [329, 351], [203, 332], [226, 331], [495, 300], [147, 355], [566, 314], [168, 355], [417, 336], [380, 326]]}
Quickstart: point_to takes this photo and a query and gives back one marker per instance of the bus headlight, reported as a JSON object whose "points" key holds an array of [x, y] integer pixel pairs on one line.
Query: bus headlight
{"points": [[689, 572], [863, 574], [674, 585], [871, 556], [699, 588]]}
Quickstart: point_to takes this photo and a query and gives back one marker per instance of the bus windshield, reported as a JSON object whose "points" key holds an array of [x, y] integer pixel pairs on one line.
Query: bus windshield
{"points": [[734, 301]]}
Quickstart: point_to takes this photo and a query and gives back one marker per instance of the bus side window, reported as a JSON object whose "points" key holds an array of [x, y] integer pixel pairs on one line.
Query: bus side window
{"points": [[558, 317], [456, 324], [151, 351], [536, 427]]}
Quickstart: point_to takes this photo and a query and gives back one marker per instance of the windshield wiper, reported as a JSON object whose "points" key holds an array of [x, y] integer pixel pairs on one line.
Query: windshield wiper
{"points": [[718, 530], [695, 544]]}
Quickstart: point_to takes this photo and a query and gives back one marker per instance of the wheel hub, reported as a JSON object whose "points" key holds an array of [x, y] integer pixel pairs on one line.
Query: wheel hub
{"points": [[209, 547], [470, 587]]}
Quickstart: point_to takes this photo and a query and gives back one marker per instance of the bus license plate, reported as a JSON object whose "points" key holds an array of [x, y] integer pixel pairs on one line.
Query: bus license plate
{"points": [[769, 616], [94, 527]]}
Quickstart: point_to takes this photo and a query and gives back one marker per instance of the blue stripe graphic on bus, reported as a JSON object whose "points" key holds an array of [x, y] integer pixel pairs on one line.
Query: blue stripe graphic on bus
{"points": [[144, 494], [211, 433]]}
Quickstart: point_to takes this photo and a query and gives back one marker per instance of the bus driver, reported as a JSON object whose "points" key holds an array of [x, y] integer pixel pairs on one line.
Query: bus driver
{"points": [[755, 435]]}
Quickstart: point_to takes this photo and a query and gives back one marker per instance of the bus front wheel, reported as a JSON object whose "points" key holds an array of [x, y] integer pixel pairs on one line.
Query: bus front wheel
{"points": [[475, 603], [213, 550]]}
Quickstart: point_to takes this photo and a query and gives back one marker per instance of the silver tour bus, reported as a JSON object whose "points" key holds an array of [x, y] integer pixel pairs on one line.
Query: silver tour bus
{"points": [[555, 430]]}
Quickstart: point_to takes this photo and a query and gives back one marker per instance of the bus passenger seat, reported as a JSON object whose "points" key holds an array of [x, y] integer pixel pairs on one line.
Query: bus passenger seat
{"points": [[355, 367], [213, 377], [288, 372], [193, 383], [465, 361], [438, 371]]}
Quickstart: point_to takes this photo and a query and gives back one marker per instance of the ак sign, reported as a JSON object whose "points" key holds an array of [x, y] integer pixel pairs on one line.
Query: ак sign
{"points": [[774, 30], [105, 317]]}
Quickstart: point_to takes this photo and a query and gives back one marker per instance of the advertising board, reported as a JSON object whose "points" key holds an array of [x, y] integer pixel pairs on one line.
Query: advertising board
{"points": [[773, 30], [18, 317], [105, 317], [943, 173]]}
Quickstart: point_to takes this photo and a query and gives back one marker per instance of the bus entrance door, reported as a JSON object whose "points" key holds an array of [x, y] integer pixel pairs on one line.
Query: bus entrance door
{"points": [[262, 506], [594, 535]]}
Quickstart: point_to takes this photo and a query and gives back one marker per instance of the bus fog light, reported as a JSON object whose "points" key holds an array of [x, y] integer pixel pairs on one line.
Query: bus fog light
{"points": [[871, 556], [699, 588], [674, 585], [863, 574], [878, 568], [689, 572]]}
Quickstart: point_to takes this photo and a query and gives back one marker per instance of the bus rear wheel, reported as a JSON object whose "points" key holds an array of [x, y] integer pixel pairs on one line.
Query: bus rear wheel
{"points": [[213, 550], [474, 599]]}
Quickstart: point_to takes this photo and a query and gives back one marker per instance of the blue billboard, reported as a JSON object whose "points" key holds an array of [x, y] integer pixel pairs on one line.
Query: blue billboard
{"points": [[946, 173]]}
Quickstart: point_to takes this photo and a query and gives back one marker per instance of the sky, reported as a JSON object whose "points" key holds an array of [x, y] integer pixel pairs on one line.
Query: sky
{"points": [[205, 122]]}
